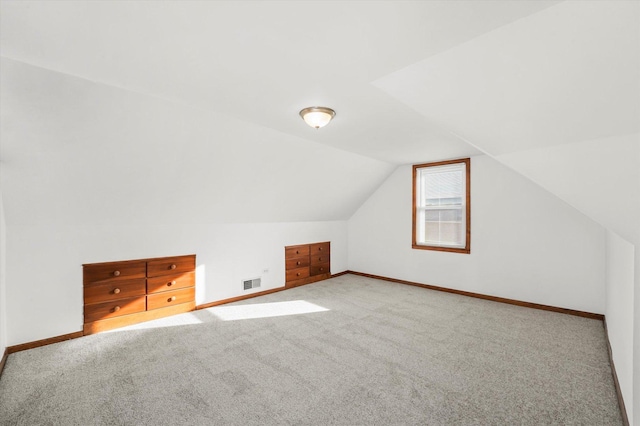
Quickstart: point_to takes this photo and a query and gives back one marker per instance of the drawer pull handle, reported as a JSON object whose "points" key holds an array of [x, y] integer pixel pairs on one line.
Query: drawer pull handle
{"points": [[320, 259], [116, 308], [116, 290], [171, 283], [298, 274], [322, 269], [320, 248], [172, 298], [116, 273], [173, 266], [297, 263], [297, 251]]}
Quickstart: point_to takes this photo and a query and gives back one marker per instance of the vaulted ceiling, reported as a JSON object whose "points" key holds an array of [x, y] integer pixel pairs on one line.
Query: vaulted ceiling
{"points": [[549, 88], [264, 61], [555, 96]]}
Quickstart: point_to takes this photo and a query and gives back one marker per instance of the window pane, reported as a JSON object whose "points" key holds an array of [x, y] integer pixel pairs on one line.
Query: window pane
{"points": [[432, 215], [442, 188], [446, 215], [444, 227], [443, 233]]}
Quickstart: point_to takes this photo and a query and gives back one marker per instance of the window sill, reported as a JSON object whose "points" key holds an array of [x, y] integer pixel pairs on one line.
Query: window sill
{"points": [[437, 248]]}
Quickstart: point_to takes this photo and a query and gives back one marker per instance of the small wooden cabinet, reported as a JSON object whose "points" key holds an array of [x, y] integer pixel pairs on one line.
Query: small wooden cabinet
{"points": [[307, 263], [128, 292]]}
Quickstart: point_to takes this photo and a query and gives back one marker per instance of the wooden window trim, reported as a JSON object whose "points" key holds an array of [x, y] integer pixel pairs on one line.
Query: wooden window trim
{"points": [[467, 248]]}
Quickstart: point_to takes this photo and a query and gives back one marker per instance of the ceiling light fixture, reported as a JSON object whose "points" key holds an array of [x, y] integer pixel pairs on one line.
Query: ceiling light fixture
{"points": [[317, 116]]}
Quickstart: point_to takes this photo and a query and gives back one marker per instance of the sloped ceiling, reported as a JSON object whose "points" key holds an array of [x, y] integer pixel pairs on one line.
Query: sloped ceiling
{"points": [[78, 153], [546, 87], [567, 74], [264, 61], [555, 96]]}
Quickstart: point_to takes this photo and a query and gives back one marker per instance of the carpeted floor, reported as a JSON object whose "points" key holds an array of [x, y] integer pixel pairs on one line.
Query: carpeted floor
{"points": [[346, 351]]}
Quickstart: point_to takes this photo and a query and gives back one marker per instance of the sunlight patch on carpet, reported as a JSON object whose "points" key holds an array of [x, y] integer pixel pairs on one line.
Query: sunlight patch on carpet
{"points": [[266, 310], [187, 318]]}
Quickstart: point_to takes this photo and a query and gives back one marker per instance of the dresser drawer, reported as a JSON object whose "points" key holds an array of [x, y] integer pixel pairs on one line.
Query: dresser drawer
{"points": [[320, 248], [296, 251], [171, 282], [170, 298], [114, 308], [298, 273], [296, 262], [317, 259], [170, 265], [114, 271], [320, 269], [113, 290]]}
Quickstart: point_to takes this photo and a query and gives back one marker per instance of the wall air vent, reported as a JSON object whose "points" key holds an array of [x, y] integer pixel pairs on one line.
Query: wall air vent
{"points": [[249, 284]]}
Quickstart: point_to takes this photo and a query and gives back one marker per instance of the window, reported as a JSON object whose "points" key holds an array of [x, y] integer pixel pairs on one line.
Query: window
{"points": [[441, 206]]}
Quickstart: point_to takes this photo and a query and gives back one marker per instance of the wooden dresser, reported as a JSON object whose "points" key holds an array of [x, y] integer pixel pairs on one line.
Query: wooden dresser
{"points": [[307, 263], [132, 291]]}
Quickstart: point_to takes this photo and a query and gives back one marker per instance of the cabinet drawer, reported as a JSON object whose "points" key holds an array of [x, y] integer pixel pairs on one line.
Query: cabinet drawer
{"points": [[296, 251], [170, 282], [170, 265], [113, 290], [320, 269], [317, 259], [296, 262], [114, 271], [114, 308], [320, 248], [170, 298], [298, 273]]}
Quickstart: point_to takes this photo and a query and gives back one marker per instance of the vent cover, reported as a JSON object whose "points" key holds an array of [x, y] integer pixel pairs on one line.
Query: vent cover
{"points": [[249, 284]]}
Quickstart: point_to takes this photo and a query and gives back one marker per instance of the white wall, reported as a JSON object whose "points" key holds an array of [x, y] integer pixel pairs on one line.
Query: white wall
{"points": [[3, 293], [619, 311], [601, 178], [226, 254], [92, 173], [635, 373], [526, 244]]}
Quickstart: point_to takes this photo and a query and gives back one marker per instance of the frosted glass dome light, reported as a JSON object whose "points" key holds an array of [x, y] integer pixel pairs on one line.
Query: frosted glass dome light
{"points": [[317, 116]]}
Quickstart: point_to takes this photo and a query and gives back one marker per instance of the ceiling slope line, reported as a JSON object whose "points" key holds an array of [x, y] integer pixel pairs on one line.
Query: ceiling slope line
{"points": [[590, 217], [196, 107]]}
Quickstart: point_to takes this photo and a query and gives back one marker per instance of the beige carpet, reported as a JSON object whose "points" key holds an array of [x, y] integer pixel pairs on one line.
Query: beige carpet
{"points": [[346, 351]]}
